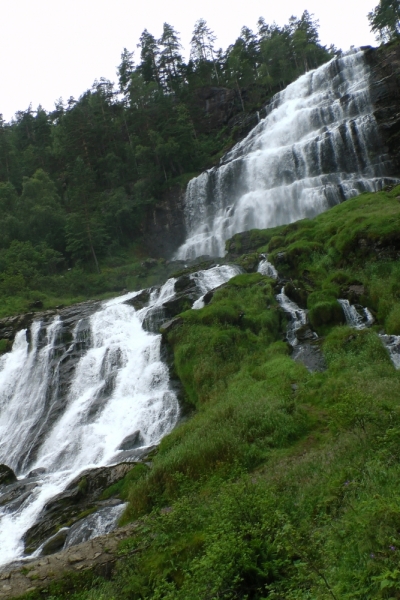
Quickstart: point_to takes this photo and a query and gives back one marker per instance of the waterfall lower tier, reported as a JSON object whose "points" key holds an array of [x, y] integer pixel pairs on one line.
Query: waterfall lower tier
{"points": [[91, 395], [318, 145]]}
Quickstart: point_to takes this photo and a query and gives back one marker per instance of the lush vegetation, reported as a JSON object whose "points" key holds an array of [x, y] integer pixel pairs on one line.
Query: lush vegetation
{"points": [[76, 183], [385, 20], [282, 483]]}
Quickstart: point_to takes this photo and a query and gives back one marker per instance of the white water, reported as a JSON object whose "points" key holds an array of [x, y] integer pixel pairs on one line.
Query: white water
{"points": [[317, 146], [99, 523], [298, 316], [361, 321], [267, 268], [212, 278], [392, 344], [119, 385]]}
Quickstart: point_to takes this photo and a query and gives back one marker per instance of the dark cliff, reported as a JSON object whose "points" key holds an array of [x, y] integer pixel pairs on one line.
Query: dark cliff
{"points": [[385, 94]]}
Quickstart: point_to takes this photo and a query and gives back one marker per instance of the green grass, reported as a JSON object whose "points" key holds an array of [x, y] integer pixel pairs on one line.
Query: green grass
{"points": [[282, 484]]}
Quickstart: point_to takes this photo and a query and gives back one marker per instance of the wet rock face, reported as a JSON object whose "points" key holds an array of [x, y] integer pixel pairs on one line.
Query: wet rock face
{"points": [[297, 293], [385, 95], [132, 441], [79, 498], [65, 355], [98, 555], [164, 225], [7, 475]]}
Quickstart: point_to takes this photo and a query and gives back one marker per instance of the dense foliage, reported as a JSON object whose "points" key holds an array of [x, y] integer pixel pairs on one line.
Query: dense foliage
{"points": [[75, 183], [283, 484], [385, 20]]}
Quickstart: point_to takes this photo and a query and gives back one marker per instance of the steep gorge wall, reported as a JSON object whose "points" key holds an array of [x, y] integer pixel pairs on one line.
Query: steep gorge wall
{"points": [[385, 94]]}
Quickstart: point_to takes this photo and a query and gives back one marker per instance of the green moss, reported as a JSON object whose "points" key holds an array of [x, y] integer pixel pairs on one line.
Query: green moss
{"points": [[4, 346], [326, 313], [392, 321]]}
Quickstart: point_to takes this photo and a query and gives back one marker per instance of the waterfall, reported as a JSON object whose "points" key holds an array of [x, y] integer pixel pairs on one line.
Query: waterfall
{"points": [[119, 385], [298, 316], [210, 279], [317, 146], [267, 268], [56, 426], [359, 317]]}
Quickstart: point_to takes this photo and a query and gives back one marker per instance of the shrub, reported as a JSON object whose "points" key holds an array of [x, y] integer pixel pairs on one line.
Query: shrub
{"points": [[326, 313]]}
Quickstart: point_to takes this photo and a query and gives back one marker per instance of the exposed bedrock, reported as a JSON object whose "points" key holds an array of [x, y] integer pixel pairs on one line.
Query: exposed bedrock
{"points": [[385, 97], [79, 498]]}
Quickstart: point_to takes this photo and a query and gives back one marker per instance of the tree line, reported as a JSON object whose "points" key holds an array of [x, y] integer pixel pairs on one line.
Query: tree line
{"points": [[75, 182]]}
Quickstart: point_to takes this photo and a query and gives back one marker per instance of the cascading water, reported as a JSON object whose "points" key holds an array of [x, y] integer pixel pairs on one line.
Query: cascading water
{"points": [[317, 146], [360, 318], [212, 278], [118, 386], [298, 316], [267, 268]]}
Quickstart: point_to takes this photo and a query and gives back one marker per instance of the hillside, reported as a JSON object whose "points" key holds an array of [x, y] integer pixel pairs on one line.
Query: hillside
{"points": [[283, 483], [200, 327]]}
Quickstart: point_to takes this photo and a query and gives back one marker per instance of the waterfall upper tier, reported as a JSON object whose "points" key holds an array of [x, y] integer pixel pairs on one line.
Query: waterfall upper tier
{"points": [[318, 146]]}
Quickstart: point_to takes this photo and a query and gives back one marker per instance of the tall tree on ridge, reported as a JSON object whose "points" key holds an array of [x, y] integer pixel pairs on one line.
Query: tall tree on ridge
{"points": [[170, 58], [202, 45], [149, 56], [385, 20]]}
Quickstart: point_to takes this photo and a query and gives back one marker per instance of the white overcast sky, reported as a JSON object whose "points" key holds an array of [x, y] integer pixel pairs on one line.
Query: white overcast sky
{"points": [[52, 49]]}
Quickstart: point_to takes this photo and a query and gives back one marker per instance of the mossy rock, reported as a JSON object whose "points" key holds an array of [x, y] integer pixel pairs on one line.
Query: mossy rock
{"points": [[297, 293], [326, 313]]}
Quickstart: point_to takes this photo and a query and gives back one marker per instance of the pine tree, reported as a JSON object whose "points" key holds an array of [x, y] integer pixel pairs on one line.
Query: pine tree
{"points": [[125, 70], [149, 55], [202, 45], [385, 20], [170, 58]]}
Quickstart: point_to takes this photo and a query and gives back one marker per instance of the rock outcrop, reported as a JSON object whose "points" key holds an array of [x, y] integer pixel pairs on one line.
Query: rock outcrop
{"points": [[385, 94], [164, 226], [98, 555], [7, 475], [78, 499]]}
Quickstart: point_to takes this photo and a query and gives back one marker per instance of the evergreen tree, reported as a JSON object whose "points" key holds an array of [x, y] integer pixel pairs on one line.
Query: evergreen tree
{"points": [[125, 70], [149, 55], [202, 46], [171, 61], [385, 20]]}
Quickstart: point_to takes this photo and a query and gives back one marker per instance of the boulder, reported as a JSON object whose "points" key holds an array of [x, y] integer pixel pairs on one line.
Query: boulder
{"points": [[183, 283], [55, 543], [67, 508], [305, 333], [36, 473], [170, 325], [7, 475], [134, 440], [181, 302], [139, 301]]}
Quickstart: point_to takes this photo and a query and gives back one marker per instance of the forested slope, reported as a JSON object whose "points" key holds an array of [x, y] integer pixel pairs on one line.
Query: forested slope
{"points": [[76, 183]]}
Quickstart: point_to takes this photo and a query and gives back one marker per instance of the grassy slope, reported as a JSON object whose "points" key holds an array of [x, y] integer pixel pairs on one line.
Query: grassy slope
{"points": [[126, 271], [282, 484]]}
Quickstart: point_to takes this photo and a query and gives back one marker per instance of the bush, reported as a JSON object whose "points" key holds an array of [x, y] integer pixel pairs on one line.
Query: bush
{"points": [[326, 313]]}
